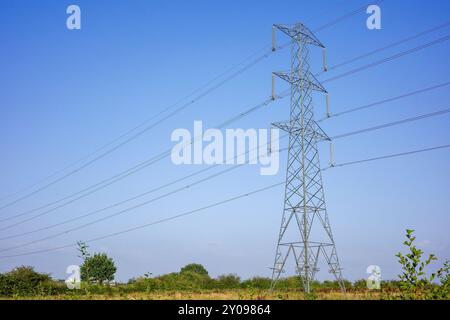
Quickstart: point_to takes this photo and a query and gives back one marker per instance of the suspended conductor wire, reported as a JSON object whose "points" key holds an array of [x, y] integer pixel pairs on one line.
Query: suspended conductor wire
{"points": [[327, 25], [191, 212]]}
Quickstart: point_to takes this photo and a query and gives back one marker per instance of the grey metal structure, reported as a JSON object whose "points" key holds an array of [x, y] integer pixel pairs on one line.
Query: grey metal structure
{"points": [[305, 232]]}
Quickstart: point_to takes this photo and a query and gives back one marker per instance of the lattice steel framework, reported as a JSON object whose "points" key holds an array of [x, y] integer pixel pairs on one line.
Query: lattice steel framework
{"points": [[304, 215]]}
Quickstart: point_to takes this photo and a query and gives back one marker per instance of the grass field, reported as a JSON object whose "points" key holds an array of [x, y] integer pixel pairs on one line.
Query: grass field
{"points": [[238, 294]]}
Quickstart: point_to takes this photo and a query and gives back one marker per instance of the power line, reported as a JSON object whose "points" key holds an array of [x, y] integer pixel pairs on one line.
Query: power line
{"points": [[391, 45], [88, 190], [161, 156], [346, 16], [259, 190], [391, 124], [183, 214], [191, 212], [98, 186], [144, 194], [126, 210], [378, 127], [373, 104], [393, 57], [337, 20], [395, 155], [139, 133], [154, 117], [441, 112], [141, 124]]}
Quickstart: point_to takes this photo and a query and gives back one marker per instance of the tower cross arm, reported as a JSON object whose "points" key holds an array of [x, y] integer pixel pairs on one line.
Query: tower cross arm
{"points": [[299, 30], [293, 127], [297, 77]]}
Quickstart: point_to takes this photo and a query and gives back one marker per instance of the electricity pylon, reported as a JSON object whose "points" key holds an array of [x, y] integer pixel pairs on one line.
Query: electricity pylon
{"points": [[305, 232]]}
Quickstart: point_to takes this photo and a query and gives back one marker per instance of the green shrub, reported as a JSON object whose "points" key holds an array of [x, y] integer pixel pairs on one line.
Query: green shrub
{"points": [[257, 283], [6, 286], [414, 283], [293, 282], [228, 281], [24, 281], [186, 280], [194, 268], [98, 268]]}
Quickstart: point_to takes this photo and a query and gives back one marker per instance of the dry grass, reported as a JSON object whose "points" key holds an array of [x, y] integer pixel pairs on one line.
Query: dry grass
{"points": [[240, 294]]}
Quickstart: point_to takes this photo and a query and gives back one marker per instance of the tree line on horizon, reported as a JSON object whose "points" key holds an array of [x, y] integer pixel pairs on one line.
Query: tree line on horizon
{"points": [[98, 271]]}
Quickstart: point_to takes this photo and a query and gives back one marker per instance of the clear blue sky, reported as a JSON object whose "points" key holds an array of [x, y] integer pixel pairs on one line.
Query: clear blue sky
{"points": [[65, 93]]}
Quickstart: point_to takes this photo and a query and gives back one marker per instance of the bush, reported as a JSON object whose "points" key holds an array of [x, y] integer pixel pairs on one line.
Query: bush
{"points": [[229, 281], [360, 284], [191, 277], [293, 282], [194, 268], [186, 280], [414, 282], [257, 283], [24, 281], [98, 268], [6, 286]]}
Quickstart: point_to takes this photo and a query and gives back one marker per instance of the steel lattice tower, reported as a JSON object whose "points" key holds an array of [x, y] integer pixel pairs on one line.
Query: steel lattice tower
{"points": [[305, 232]]}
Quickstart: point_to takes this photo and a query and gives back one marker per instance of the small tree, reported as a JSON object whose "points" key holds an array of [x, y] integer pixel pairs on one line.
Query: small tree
{"points": [[97, 268], [194, 268], [414, 282]]}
